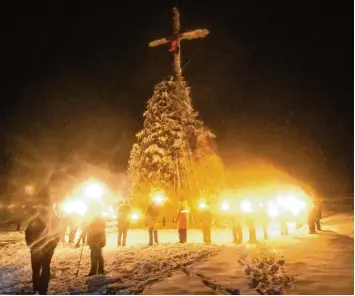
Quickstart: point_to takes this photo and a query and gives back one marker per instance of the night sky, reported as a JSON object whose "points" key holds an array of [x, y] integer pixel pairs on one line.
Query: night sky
{"points": [[272, 78]]}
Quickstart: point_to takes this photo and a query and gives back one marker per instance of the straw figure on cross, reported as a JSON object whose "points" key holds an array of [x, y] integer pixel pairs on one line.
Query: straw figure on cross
{"points": [[174, 41]]}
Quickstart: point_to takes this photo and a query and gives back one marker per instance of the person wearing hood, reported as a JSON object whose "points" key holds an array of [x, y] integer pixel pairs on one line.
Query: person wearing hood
{"points": [[42, 237]]}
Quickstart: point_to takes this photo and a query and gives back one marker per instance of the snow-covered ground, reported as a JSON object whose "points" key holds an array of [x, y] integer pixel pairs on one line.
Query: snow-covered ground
{"points": [[297, 264]]}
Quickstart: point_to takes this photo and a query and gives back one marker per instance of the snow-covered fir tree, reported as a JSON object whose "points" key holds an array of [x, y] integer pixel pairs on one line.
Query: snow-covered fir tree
{"points": [[162, 155]]}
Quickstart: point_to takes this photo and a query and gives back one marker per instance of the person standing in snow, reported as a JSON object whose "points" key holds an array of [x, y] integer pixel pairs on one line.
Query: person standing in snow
{"points": [[152, 216], [235, 221], [42, 237], [314, 217], [96, 238], [123, 223], [183, 219], [250, 221], [264, 222], [318, 214], [206, 224], [283, 219]]}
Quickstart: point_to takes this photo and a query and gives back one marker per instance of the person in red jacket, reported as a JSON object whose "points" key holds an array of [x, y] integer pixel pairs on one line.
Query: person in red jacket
{"points": [[96, 239], [182, 220], [42, 237]]}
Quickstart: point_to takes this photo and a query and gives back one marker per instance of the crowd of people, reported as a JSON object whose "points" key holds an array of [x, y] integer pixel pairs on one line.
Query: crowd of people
{"points": [[46, 230]]}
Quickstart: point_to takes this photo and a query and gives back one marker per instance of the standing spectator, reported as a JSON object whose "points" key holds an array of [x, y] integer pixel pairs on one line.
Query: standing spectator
{"points": [[250, 220], [183, 219], [318, 214], [206, 224], [236, 223], [96, 234], [152, 216], [42, 237], [123, 223]]}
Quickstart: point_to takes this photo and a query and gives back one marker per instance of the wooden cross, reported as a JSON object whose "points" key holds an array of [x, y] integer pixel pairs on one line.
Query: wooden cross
{"points": [[175, 41]]}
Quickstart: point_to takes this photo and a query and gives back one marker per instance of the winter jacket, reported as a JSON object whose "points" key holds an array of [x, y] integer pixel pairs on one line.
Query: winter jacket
{"points": [[206, 219], [96, 233], [183, 218], [152, 216], [123, 221], [43, 234]]}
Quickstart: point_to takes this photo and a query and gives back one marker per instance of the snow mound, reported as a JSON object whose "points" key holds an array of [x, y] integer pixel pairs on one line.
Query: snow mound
{"points": [[341, 223], [128, 270]]}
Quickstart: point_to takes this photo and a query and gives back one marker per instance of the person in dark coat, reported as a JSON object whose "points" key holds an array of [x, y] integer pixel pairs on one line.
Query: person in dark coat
{"points": [[96, 238], [318, 214], [314, 217], [152, 216], [42, 237], [235, 221], [206, 224], [123, 223], [250, 221]]}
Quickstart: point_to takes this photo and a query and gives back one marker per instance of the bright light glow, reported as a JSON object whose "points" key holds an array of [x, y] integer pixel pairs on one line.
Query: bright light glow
{"points": [[246, 206], [159, 198], [29, 189], [272, 209], [94, 191], [203, 205], [135, 217], [292, 204], [225, 206], [75, 207]]}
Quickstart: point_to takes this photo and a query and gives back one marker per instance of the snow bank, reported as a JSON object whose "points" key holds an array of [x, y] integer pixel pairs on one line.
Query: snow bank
{"points": [[131, 268], [297, 264], [341, 223]]}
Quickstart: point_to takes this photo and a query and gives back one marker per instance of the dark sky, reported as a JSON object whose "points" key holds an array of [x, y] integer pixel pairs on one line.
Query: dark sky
{"points": [[272, 78]]}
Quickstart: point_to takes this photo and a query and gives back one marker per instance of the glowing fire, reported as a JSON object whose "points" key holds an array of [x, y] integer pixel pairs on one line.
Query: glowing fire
{"points": [[159, 197], [292, 202], [203, 205], [88, 198], [246, 206], [225, 206], [135, 217]]}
